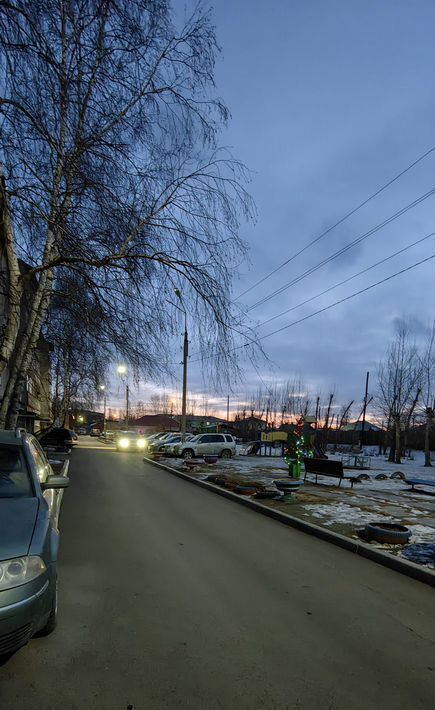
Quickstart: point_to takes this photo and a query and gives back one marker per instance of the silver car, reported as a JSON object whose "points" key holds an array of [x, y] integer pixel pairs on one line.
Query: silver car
{"points": [[30, 497]]}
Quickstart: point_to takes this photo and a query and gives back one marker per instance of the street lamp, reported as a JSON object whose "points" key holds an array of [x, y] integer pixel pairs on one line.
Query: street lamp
{"points": [[123, 370], [185, 356], [102, 388]]}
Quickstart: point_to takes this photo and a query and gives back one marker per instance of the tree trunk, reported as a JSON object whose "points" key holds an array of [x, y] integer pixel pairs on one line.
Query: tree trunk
{"points": [[397, 457], [429, 420], [13, 287], [10, 405]]}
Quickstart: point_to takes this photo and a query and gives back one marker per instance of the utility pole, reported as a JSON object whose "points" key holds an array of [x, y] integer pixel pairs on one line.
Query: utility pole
{"points": [[364, 411], [317, 411], [185, 356], [228, 409], [126, 405], [104, 412]]}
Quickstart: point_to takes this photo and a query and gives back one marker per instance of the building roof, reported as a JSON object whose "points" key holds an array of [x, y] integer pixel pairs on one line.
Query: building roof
{"points": [[357, 426], [163, 421], [249, 419]]}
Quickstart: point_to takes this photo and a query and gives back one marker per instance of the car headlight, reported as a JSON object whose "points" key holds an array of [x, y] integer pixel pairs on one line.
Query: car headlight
{"points": [[141, 444], [124, 443], [20, 570]]}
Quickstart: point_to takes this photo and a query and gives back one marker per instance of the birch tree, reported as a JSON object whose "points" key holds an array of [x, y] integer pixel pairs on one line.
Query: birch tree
{"points": [[428, 388], [109, 133]]}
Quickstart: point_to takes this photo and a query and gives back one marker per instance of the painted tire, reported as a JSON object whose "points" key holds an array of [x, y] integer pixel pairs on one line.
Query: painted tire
{"points": [[381, 477], [398, 475], [389, 533], [188, 454], [264, 495], [245, 490]]}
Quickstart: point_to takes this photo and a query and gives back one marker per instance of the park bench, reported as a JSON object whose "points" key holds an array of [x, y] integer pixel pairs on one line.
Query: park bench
{"points": [[327, 467], [418, 482]]}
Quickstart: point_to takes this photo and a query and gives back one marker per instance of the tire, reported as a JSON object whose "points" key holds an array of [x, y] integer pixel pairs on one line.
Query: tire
{"points": [[52, 619], [188, 454], [389, 533], [226, 454]]}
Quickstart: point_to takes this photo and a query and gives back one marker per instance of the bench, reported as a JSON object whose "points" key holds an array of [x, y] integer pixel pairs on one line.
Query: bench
{"points": [[326, 467], [418, 482]]}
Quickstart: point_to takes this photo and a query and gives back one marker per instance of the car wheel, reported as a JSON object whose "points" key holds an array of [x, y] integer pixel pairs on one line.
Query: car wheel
{"points": [[52, 619], [226, 454], [188, 454]]}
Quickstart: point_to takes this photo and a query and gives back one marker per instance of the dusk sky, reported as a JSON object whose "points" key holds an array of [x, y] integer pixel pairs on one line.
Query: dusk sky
{"points": [[330, 99]]}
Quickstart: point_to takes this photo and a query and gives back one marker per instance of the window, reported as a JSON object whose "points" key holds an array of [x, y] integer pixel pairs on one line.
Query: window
{"points": [[206, 439], [43, 468], [14, 477], [229, 438], [216, 438]]}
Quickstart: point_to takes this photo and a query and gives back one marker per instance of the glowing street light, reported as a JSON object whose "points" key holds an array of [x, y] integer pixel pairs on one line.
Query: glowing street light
{"points": [[122, 369]]}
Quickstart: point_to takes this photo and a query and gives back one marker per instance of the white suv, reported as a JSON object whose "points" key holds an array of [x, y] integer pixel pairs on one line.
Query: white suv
{"points": [[208, 444]]}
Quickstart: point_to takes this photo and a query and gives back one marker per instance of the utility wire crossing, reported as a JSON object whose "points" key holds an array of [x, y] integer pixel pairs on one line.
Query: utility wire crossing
{"points": [[344, 249], [340, 221]]}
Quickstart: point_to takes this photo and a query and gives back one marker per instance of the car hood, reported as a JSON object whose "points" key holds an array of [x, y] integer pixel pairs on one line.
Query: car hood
{"points": [[17, 522]]}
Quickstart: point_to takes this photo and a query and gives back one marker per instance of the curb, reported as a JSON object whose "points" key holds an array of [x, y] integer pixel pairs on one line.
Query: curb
{"points": [[410, 569]]}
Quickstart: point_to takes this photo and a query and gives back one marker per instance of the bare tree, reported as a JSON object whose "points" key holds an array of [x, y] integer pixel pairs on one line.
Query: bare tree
{"points": [[428, 388], [399, 381], [109, 142], [159, 403]]}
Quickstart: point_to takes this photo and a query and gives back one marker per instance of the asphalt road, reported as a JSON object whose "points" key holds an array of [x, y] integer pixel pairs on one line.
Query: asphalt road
{"points": [[172, 597]]}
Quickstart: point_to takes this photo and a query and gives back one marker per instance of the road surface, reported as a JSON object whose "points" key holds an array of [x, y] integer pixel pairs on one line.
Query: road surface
{"points": [[172, 597]]}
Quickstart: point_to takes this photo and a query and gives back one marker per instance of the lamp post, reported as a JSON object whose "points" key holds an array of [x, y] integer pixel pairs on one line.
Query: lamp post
{"points": [[103, 389], [122, 370], [185, 356]]}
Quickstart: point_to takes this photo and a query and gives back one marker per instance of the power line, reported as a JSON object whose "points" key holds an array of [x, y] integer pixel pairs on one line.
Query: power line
{"points": [[327, 308], [350, 278], [346, 298], [343, 250], [340, 221]]}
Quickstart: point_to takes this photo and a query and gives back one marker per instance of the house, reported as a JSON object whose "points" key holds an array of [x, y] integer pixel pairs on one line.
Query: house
{"points": [[197, 423], [35, 401], [150, 423], [249, 428]]}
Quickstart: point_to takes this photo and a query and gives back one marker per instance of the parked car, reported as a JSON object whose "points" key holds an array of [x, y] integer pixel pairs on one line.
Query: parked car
{"points": [[57, 437], [108, 435], [170, 446], [130, 441], [167, 446], [82, 430], [95, 432], [160, 436], [30, 498], [211, 444]]}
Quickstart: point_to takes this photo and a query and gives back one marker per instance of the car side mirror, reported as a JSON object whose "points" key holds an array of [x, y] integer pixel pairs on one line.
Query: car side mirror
{"points": [[55, 482]]}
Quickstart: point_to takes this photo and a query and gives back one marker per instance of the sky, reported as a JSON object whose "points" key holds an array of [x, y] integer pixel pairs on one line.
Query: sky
{"points": [[329, 100]]}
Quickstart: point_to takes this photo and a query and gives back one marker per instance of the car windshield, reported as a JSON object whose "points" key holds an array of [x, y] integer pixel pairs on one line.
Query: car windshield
{"points": [[14, 476]]}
